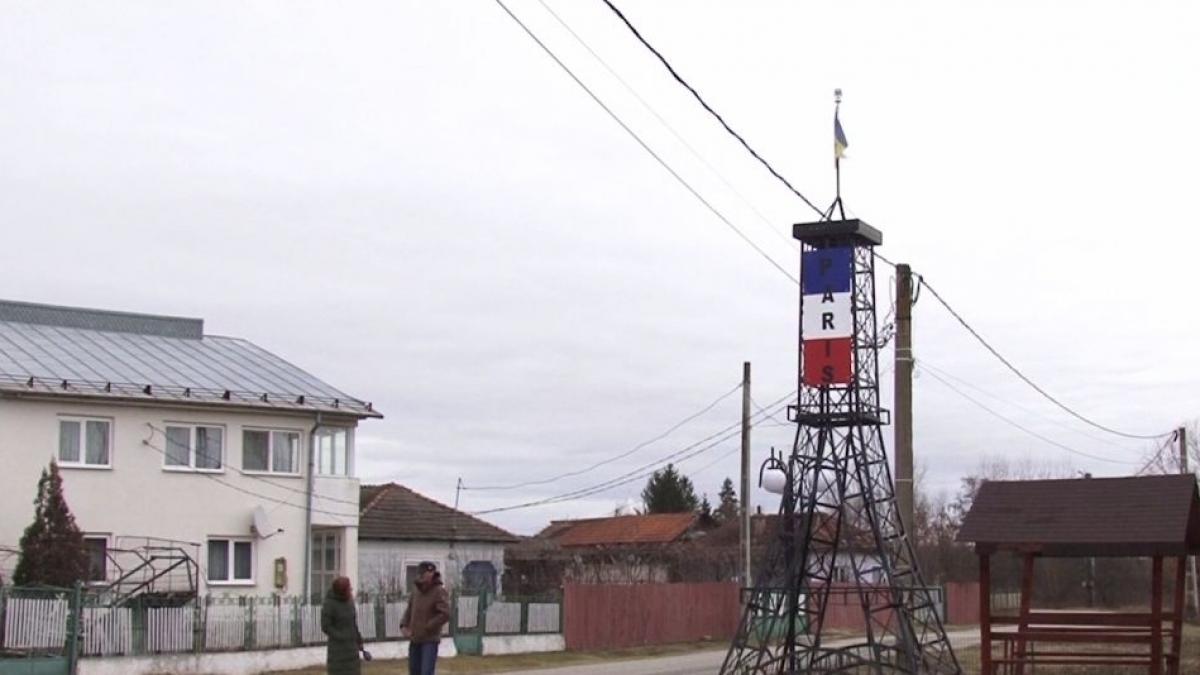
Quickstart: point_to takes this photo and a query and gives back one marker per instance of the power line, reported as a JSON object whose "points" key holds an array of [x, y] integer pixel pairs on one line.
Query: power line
{"points": [[695, 153], [623, 479], [681, 455], [707, 107], [646, 147], [922, 282], [258, 495], [1157, 456], [1027, 430], [1052, 420], [623, 455], [262, 479], [716, 461]]}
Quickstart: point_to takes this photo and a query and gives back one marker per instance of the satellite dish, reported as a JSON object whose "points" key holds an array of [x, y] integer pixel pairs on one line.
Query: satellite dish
{"points": [[260, 524]]}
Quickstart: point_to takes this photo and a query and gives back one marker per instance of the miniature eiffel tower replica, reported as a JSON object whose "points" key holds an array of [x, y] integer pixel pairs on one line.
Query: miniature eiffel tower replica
{"points": [[839, 558]]}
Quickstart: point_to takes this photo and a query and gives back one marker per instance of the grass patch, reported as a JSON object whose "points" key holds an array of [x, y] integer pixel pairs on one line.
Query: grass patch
{"points": [[463, 665]]}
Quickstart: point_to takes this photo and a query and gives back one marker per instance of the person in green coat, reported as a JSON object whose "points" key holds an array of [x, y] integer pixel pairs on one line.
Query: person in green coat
{"points": [[339, 622]]}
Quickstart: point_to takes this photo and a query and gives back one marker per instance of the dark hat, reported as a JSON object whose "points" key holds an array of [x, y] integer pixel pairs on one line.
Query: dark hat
{"points": [[426, 566]]}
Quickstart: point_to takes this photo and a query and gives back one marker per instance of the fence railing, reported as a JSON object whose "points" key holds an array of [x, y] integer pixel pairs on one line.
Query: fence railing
{"points": [[218, 624]]}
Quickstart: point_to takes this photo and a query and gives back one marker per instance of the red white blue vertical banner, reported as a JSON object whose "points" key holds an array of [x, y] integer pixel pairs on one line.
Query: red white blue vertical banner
{"points": [[827, 323]]}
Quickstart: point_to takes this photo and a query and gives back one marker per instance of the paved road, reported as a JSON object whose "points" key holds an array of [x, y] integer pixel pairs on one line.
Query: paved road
{"points": [[699, 663]]}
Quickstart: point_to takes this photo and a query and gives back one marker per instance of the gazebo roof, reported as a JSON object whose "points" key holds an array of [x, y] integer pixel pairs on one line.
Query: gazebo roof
{"points": [[1135, 516]]}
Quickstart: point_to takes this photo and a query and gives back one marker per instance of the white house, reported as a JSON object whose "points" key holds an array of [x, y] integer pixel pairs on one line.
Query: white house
{"points": [[194, 463], [400, 528]]}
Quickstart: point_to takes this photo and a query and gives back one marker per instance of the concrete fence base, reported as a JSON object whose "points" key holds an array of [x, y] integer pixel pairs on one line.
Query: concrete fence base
{"points": [[495, 645], [239, 663]]}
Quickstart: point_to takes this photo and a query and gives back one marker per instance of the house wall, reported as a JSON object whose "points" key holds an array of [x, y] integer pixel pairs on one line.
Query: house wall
{"points": [[381, 564], [137, 498]]}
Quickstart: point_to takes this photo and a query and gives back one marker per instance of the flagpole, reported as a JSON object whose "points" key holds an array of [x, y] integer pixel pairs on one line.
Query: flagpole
{"points": [[837, 160]]}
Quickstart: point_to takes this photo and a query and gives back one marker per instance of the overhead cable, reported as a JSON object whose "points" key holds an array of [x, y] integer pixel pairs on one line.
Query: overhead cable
{"points": [[683, 454], [1016, 371], [646, 147], [709, 108], [614, 458], [1017, 425]]}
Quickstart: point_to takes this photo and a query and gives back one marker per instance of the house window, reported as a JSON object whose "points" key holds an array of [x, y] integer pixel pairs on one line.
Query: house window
{"points": [[333, 451], [411, 574], [271, 451], [84, 442], [196, 447], [230, 561], [97, 552], [326, 559]]}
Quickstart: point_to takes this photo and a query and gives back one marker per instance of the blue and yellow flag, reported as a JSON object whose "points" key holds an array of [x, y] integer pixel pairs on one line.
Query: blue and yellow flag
{"points": [[839, 138]]}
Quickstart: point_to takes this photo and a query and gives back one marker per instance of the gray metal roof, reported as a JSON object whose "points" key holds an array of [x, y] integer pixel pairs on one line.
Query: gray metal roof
{"points": [[46, 350]]}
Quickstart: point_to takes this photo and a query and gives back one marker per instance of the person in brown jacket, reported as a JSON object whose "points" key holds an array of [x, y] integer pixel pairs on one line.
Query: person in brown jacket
{"points": [[428, 610]]}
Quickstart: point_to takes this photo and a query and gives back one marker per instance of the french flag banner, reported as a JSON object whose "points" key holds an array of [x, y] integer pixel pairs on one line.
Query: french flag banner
{"points": [[827, 323]]}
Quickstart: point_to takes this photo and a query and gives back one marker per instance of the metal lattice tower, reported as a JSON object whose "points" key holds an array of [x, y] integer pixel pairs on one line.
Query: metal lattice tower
{"points": [[839, 554]]}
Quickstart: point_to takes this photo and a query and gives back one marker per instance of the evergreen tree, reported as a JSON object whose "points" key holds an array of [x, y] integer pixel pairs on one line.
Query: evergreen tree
{"points": [[727, 506], [706, 512], [52, 550], [668, 491]]}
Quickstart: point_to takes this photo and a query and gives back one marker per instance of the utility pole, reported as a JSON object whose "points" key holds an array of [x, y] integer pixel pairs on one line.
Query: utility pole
{"points": [[1181, 435], [903, 383], [1091, 572], [746, 582]]}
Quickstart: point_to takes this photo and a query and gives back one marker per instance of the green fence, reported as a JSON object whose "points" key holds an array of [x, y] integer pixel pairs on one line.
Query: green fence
{"points": [[38, 630]]}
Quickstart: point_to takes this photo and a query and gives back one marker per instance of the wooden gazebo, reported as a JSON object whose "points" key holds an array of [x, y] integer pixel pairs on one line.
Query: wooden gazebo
{"points": [[1156, 517]]}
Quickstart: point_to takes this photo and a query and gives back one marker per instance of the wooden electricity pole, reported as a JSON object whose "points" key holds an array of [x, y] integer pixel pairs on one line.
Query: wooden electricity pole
{"points": [[745, 529], [1183, 468], [903, 383]]}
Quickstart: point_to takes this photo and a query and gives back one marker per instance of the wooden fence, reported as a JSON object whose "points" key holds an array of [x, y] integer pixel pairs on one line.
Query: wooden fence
{"points": [[607, 616]]}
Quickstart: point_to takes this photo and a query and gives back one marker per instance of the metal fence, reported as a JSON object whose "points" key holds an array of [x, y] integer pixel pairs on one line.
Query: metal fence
{"points": [[216, 624]]}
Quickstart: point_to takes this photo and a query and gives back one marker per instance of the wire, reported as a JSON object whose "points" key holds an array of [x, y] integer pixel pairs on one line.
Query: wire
{"points": [[716, 461], [1156, 457], [707, 107], [921, 282], [695, 153], [771, 417], [1031, 432], [680, 455], [263, 479], [251, 493], [1052, 420], [646, 147], [623, 455], [623, 479]]}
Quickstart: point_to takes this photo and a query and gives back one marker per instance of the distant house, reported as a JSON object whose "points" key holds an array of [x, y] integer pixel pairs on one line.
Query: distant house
{"points": [[650, 529], [193, 463], [858, 551], [617, 549], [399, 528]]}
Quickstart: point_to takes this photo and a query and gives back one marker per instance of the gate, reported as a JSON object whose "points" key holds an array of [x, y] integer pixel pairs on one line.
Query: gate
{"points": [[39, 630], [468, 624]]}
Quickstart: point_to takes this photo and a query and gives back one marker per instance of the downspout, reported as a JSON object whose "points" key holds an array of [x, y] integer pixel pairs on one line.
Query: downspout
{"points": [[308, 508]]}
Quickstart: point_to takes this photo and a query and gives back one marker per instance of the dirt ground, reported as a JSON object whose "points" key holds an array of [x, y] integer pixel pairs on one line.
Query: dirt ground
{"points": [[969, 658]]}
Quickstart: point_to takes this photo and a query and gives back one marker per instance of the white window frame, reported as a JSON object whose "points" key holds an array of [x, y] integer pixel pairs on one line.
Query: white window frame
{"points": [[318, 451], [192, 427], [413, 562], [108, 541], [339, 535], [298, 460], [230, 560], [82, 462]]}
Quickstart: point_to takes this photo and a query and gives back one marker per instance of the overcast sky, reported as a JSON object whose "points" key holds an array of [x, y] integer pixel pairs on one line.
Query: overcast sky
{"points": [[412, 201]]}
